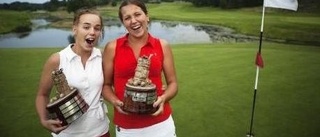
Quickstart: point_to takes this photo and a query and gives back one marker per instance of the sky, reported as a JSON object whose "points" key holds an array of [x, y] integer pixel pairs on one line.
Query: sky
{"points": [[30, 1]]}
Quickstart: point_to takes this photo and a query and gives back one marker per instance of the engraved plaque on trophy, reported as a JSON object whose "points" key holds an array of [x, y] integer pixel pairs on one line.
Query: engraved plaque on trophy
{"points": [[140, 92], [67, 105]]}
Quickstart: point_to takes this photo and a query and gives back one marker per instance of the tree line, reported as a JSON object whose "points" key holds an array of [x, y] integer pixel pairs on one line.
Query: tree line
{"points": [[53, 5], [226, 4], [304, 5]]}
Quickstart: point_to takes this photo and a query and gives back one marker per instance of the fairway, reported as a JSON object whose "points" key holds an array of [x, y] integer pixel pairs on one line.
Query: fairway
{"points": [[216, 83]]}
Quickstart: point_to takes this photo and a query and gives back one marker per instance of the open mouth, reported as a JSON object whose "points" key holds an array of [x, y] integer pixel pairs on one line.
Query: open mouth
{"points": [[90, 41], [136, 27]]}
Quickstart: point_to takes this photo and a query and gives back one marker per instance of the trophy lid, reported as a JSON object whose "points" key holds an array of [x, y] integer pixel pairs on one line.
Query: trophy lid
{"points": [[60, 82]]}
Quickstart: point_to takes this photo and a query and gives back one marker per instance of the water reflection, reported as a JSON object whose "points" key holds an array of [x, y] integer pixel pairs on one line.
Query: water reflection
{"points": [[179, 32], [173, 32]]}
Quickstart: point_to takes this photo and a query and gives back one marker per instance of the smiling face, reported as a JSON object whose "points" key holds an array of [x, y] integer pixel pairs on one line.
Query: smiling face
{"points": [[135, 20], [87, 31]]}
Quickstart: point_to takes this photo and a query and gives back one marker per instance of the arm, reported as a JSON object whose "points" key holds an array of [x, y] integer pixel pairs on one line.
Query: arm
{"points": [[44, 90], [170, 77], [107, 64]]}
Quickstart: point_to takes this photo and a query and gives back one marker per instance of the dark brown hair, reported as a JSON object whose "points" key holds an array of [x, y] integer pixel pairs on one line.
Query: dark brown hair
{"points": [[138, 3]]}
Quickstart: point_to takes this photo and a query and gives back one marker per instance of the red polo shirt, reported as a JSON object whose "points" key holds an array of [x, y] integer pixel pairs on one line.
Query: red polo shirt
{"points": [[124, 69]]}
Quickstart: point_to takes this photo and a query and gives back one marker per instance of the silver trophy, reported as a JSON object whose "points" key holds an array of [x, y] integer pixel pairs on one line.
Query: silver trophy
{"points": [[67, 105]]}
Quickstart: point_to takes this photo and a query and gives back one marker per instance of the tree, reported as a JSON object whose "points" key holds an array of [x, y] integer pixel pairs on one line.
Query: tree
{"points": [[74, 5], [226, 3], [53, 5]]}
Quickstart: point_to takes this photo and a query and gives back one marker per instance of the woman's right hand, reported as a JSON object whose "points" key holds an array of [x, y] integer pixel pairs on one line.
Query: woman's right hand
{"points": [[118, 105], [54, 125]]}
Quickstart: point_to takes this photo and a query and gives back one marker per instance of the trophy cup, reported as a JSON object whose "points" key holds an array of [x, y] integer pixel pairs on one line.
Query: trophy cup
{"points": [[140, 92], [68, 104]]}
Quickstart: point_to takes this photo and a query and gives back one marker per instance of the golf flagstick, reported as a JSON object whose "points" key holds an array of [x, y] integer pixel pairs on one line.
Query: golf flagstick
{"points": [[283, 4], [259, 63]]}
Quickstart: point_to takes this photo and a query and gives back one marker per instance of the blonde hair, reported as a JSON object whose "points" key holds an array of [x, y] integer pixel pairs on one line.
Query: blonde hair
{"points": [[83, 11]]}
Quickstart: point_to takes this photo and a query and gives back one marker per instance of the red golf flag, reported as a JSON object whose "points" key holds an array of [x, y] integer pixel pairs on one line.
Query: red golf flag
{"points": [[259, 61]]}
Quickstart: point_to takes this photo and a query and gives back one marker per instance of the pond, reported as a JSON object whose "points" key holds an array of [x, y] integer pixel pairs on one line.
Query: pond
{"points": [[174, 32]]}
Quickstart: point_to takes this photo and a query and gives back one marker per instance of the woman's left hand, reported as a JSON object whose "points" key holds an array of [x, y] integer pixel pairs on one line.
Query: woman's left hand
{"points": [[159, 104]]}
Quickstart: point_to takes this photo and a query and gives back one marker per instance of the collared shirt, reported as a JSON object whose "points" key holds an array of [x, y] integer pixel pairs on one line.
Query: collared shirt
{"points": [[125, 63], [88, 80]]}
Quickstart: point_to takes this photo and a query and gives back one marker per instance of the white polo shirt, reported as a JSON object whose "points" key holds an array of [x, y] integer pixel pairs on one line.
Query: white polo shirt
{"points": [[88, 80]]}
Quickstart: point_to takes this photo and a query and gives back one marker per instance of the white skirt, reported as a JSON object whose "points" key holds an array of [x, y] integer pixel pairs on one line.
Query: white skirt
{"points": [[162, 129]]}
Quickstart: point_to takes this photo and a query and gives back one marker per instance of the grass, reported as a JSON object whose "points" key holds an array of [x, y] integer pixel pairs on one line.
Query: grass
{"points": [[215, 90], [10, 20]]}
